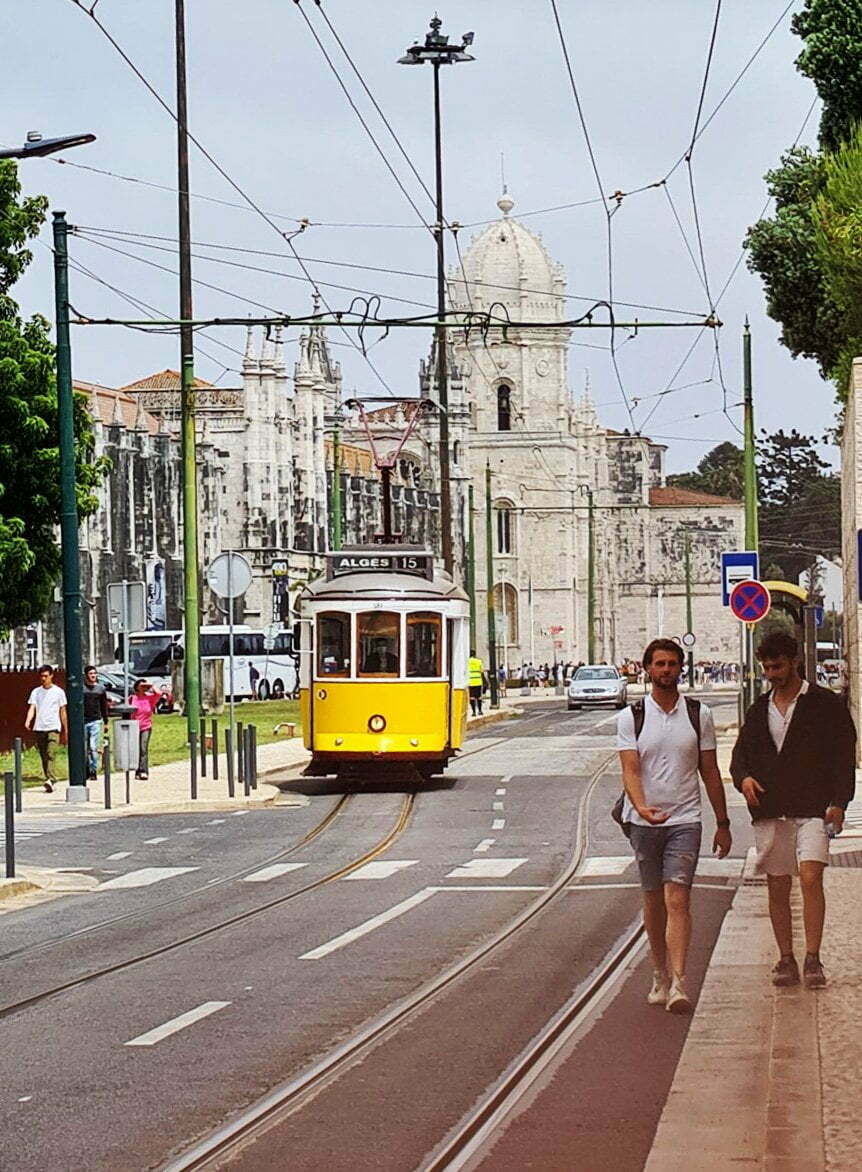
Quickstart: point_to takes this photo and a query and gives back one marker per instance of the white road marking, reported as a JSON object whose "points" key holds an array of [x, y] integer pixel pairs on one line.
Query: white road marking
{"points": [[607, 720], [485, 844], [363, 929], [25, 1098], [145, 877], [272, 872], [637, 886], [498, 823], [486, 869], [718, 867], [497, 806], [238, 813], [382, 869], [501, 792], [491, 887], [215, 821], [177, 1023], [188, 830], [120, 855], [606, 865], [153, 841]]}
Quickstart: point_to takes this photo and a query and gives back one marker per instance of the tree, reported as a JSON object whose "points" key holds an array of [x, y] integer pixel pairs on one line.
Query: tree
{"points": [[800, 291], [720, 472], [29, 455]]}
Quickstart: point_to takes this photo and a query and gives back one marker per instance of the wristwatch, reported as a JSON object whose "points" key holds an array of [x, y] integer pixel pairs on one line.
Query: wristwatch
{"points": [[723, 824]]}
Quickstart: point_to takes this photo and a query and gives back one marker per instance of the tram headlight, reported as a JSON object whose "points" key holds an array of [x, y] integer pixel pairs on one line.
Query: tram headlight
{"points": [[376, 723]]}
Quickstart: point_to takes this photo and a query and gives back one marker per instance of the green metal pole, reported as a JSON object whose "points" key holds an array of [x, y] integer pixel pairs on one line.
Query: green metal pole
{"points": [[69, 515], [471, 564], [591, 579], [752, 536], [489, 563], [336, 489], [688, 618], [191, 584], [440, 337]]}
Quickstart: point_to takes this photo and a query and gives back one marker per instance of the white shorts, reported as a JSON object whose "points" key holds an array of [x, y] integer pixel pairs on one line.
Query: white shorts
{"points": [[783, 843]]}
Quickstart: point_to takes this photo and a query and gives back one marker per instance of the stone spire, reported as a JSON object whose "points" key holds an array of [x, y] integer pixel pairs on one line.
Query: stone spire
{"points": [[250, 357]]}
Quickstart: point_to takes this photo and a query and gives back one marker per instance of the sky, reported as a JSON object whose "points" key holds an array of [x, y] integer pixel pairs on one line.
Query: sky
{"points": [[265, 105]]}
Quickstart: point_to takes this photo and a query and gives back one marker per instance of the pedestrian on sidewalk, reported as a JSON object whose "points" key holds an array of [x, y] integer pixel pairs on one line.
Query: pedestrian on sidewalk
{"points": [[502, 679], [95, 719], [666, 740], [794, 763], [46, 715], [477, 681], [144, 700]]}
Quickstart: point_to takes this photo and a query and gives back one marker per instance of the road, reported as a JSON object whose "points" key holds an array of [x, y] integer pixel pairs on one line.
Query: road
{"points": [[222, 956]]}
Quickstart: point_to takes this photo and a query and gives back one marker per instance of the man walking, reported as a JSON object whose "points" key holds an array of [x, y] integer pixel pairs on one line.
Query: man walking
{"points": [[665, 740], [794, 763], [46, 715], [475, 682], [95, 719]]}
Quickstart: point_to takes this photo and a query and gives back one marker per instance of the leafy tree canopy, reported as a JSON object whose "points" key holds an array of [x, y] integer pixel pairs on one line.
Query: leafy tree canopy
{"points": [[29, 455], [719, 472], [832, 59]]}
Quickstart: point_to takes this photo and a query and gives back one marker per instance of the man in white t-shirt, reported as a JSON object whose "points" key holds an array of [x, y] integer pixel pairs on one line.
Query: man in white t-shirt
{"points": [[46, 715], [661, 753]]}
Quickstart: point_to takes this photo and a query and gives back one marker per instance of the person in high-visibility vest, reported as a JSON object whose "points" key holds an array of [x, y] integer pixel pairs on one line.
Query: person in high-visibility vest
{"points": [[476, 681]]}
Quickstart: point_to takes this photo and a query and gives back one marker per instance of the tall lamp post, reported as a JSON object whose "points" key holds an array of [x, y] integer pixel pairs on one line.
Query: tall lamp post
{"points": [[77, 791], [438, 51], [591, 574]]}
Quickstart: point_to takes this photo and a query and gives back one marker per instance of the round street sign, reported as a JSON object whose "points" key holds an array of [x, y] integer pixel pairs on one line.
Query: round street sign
{"points": [[750, 601], [688, 639], [231, 584]]}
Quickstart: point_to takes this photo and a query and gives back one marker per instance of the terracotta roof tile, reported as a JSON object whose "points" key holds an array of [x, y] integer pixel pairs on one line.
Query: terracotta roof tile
{"points": [[686, 497], [162, 380]]}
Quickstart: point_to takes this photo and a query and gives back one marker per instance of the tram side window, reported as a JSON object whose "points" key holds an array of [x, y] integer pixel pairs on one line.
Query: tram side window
{"points": [[379, 635], [423, 644], [333, 644]]}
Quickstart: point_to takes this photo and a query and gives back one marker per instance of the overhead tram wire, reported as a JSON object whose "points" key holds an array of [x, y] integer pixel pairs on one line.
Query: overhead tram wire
{"points": [[608, 212], [286, 237]]}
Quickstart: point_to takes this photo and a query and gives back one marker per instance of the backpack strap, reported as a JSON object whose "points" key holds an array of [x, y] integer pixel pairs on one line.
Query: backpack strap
{"points": [[638, 716], [693, 707]]}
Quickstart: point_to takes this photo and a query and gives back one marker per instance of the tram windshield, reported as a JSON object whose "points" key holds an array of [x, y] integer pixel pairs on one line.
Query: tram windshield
{"points": [[423, 644], [333, 644], [378, 635]]}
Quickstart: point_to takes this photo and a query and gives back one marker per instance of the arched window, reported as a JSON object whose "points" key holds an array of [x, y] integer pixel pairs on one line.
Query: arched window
{"points": [[506, 612], [505, 528], [504, 408]]}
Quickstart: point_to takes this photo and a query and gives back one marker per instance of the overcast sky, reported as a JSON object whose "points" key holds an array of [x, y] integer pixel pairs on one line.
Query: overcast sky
{"points": [[265, 104]]}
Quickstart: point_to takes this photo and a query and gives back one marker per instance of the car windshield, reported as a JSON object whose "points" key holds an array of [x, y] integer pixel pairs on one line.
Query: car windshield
{"points": [[595, 673]]}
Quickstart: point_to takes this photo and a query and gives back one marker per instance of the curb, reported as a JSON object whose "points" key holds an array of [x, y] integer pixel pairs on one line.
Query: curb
{"points": [[10, 888], [493, 717]]}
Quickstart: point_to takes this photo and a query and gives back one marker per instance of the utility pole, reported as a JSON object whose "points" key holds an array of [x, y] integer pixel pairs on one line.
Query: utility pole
{"points": [[336, 486], [471, 564], [489, 561], [688, 618], [77, 790], [191, 584], [752, 535], [438, 51], [591, 573]]}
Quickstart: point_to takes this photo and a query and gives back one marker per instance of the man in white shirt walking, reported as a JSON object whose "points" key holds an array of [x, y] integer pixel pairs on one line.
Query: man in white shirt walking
{"points": [[665, 741], [46, 715]]}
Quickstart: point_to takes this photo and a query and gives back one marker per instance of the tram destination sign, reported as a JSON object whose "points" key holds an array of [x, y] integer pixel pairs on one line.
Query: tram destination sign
{"points": [[419, 562]]}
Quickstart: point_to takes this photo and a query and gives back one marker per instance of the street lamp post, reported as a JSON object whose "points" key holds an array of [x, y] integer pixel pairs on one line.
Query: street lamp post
{"points": [[77, 791], [591, 574], [438, 51]]}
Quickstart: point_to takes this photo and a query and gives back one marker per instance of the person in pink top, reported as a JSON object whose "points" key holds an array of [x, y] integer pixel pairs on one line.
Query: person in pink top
{"points": [[144, 700]]}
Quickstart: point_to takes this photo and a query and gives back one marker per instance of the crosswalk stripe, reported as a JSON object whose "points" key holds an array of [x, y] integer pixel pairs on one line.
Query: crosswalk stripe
{"points": [[145, 877]]}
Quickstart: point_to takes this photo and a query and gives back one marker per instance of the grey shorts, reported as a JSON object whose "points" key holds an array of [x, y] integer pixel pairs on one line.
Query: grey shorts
{"points": [[666, 854]]}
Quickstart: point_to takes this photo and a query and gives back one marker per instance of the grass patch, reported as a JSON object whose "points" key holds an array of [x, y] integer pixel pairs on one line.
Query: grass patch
{"points": [[168, 742]]}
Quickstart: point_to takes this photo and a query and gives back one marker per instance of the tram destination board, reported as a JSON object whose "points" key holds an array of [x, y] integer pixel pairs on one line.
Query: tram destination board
{"points": [[419, 562]]}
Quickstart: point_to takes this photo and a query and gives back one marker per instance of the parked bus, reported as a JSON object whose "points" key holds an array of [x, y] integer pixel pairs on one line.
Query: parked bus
{"points": [[258, 673]]}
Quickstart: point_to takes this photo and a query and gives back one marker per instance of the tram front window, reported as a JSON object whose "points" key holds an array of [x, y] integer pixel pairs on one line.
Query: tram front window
{"points": [[333, 644], [379, 636], [423, 644]]}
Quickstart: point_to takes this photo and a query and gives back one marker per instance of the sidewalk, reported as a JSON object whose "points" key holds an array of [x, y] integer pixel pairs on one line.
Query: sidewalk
{"points": [[769, 1077]]}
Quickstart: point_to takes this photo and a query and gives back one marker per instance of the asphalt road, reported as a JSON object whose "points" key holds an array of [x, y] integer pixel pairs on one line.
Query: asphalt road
{"points": [[122, 1069]]}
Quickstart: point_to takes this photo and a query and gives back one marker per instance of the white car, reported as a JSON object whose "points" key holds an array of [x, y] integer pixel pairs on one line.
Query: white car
{"points": [[597, 683]]}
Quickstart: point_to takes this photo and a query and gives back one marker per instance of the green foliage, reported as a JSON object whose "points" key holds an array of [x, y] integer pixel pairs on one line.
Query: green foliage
{"points": [[832, 59], [29, 455], [720, 472], [800, 507]]}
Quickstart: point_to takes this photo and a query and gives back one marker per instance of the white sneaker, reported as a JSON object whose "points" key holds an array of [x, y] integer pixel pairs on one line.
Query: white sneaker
{"points": [[658, 993], [677, 999]]}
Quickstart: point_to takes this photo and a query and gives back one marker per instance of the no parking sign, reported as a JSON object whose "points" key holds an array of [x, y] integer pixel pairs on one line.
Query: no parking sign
{"points": [[750, 601]]}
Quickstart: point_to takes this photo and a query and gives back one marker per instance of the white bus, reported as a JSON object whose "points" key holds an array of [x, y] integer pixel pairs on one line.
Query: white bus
{"points": [[258, 673]]}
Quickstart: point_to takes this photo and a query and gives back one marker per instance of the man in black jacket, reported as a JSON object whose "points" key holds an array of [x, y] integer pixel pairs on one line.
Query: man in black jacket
{"points": [[794, 762]]}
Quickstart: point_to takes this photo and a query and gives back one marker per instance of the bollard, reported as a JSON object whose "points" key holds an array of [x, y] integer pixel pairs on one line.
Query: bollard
{"points": [[9, 797], [246, 767], [240, 763], [193, 756], [106, 764], [254, 755], [228, 749], [214, 727], [19, 775], [203, 735]]}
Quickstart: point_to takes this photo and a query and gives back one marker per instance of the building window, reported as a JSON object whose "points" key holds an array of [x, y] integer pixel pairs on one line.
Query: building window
{"points": [[504, 408], [506, 613], [504, 529]]}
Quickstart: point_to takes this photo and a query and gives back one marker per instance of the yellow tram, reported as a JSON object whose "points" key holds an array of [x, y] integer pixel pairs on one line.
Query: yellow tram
{"points": [[383, 661]]}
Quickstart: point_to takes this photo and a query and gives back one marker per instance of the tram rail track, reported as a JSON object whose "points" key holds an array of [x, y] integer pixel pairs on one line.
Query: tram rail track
{"points": [[220, 1146]]}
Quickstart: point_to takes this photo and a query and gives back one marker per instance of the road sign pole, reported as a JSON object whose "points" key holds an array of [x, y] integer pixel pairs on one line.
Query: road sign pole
{"points": [[230, 602]]}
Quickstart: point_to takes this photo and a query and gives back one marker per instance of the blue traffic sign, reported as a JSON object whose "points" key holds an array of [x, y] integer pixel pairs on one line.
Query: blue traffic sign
{"points": [[750, 601], [739, 565]]}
